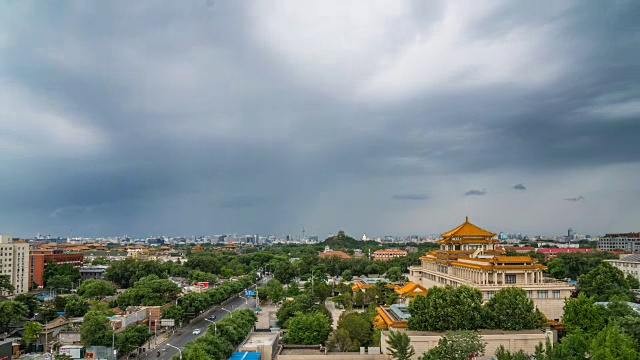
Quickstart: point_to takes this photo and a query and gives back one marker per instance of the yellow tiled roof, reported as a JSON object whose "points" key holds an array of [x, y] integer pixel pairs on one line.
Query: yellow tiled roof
{"points": [[468, 229], [410, 289]]}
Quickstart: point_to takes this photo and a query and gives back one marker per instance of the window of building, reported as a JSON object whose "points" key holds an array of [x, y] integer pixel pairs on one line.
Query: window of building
{"points": [[510, 279], [556, 294], [490, 294], [529, 294], [543, 294]]}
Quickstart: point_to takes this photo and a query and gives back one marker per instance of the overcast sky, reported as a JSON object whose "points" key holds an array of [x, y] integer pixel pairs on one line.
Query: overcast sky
{"points": [[378, 117]]}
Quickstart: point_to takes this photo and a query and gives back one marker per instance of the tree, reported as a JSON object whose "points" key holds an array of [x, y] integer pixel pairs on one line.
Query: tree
{"points": [[132, 338], [284, 272], [632, 282], [173, 312], [605, 282], [510, 309], [96, 289], [274, 290], [197, 352], [75, 306], [346, 275], [30, 301], [504, 354], [11, 311], [394, 273], [583, 314], [572, 265], [95, 329], [463, 310], [5, 284], [457, 345], [31, 331], [59, 282], [613, 344], [307, 329], [66, 270], [340, 340], [358, 327], [293, 289], [399, 346]]}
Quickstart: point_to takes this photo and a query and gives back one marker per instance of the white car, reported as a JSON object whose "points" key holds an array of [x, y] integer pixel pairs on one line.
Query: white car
{"points": [[196, 332]]}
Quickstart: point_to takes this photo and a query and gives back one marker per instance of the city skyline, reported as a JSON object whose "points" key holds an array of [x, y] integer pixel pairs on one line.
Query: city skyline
{"points": [[266, 117]]}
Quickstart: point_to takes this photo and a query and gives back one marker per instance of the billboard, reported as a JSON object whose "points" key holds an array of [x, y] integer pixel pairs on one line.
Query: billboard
{"points": [[167, 322]]}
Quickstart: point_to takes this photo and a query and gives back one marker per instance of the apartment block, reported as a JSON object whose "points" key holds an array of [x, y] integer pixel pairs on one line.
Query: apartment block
{"points": [[14, 262], [627, 242]]}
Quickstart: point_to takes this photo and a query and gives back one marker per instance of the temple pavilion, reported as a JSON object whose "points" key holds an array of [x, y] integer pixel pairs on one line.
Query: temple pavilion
{"points": [[468, 256]]}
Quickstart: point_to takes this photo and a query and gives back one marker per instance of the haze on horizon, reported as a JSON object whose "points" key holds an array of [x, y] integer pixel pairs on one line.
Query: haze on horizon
{"points": [[384, 117]]}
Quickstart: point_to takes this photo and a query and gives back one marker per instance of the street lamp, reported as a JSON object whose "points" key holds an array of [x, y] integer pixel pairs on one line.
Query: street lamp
{"points": [[245, 299], [230, 314], [215, 327], [175, 347]]}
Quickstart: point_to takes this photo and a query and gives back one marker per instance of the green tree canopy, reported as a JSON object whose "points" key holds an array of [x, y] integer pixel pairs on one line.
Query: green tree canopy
{"points": [[457, 345], [96, 289], [274, 290], [307, 329], [446, 308], [149, 291], [302, 303], [510, 309], [75, 306], [572, 265], [11, 311], [359, 326], [173, 312], [613, 343], [394, 273], [95, 329], [340, 340], [5, 284], [605, 282], [399, 346], [68, 271], [30, 301], [583, 314], [31, 331], [132, 337]]}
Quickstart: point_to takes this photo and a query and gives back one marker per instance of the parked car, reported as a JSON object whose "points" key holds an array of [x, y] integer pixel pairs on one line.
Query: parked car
{"points": [[196, 332], [212, 317]]}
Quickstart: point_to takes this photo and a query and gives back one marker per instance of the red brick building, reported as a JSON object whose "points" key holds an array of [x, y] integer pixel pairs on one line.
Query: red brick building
{"points": [[41, 257], [550, 253]]}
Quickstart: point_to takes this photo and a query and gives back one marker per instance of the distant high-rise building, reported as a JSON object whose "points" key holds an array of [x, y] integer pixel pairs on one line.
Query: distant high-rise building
{"points": [[570, 233], [14, 261]]}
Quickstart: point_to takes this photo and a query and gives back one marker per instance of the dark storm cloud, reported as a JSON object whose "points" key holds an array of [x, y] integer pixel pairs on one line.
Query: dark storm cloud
{"points": [[475, 192], [413, 197], [197, 117], [519, 187]]}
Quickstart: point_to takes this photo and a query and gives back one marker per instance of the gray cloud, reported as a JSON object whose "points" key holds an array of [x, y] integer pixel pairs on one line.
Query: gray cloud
{"points": [[151, 118], [575, 199], [519, 187], [475, 192], [414, 197]]}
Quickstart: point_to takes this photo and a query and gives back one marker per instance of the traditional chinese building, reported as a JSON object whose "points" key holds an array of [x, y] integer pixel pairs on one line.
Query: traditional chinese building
{"points": [[468, 256]]}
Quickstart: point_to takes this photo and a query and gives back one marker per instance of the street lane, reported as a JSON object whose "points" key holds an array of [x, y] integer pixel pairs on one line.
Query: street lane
{"points": [[180, 341]]}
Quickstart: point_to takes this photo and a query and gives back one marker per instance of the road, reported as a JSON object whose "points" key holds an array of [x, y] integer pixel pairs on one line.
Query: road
{"points": [[180, 341]]}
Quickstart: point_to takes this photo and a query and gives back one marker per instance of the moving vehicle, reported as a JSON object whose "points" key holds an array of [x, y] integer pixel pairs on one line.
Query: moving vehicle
{"points": [[196, 332]]}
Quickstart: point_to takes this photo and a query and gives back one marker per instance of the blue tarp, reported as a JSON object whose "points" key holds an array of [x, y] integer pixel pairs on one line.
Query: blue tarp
{"points": [[245, 356]]}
